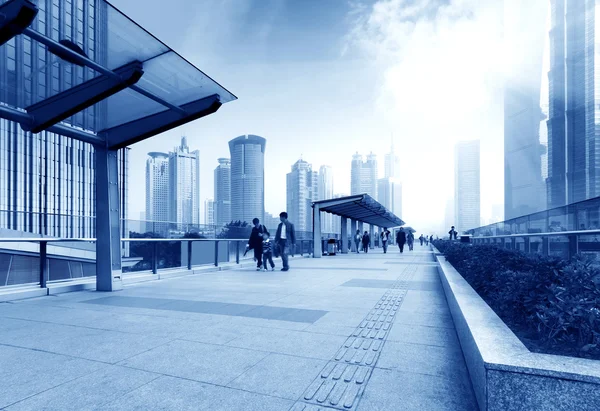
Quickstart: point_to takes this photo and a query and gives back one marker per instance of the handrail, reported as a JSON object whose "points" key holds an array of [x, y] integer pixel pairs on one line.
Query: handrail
{"points": [[60, 240], [549, 234]]}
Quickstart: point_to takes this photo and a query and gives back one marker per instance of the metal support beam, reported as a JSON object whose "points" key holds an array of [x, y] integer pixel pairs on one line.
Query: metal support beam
{"points": [[372, 235], [15, 17], [353, 235], [43, 263], [108, 222], [317, 244], [22, 117], [69, 102], [344, 235], [138, 130]]}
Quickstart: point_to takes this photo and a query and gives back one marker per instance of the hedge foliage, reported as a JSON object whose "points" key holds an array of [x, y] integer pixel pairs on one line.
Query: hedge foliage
{"points": [[552, 305]]}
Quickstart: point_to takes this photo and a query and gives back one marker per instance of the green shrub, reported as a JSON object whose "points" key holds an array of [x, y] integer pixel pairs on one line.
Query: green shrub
{"points": [[551, 304]]}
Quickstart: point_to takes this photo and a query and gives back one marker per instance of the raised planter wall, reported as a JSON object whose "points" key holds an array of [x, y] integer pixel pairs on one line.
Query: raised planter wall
{"points": [[506, 376]]}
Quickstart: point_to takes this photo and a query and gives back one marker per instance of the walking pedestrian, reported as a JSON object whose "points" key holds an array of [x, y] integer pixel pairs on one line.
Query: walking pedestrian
{"points": [[453, 233], [431, 238], [267, 247], [256, 240], [357, 240], [385, 236], [421, 239], [410, 239], [401, 239], [285, 239], [365, 242]]}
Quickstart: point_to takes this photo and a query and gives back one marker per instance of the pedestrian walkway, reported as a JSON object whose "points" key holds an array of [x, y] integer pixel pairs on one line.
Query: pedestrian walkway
{"points": [[353, 332]]}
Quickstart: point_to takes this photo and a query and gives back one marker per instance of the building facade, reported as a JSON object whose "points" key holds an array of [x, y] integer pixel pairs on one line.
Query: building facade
{"points": [[467, 185], [524, 186], [364, 175], [157, 192], [326, 192], [389, 194], [184, 185], [574, 103], [47, 181], [247, 177], [209, 211], [223, 192], [302, 190]]}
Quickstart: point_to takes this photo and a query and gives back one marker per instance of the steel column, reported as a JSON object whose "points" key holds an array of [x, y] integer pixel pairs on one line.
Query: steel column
{"points": [[108, 221], [317, 244], [189, 256], [372, 235], [43, 263], [344, 235]]}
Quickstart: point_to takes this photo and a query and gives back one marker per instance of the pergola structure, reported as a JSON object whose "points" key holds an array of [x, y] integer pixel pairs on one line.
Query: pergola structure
{"points": [[135, 87], [360, 209]]}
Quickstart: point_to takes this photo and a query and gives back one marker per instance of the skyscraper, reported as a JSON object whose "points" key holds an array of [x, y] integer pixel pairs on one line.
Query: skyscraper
{"points": [[209, 211], [389, 188], [223, 192], [326, 192], [247, 177], [47, 181], [302, 190], [157, 192], [364, 175], [184, 184], [466, 185], [574, 98], [523, 182]]}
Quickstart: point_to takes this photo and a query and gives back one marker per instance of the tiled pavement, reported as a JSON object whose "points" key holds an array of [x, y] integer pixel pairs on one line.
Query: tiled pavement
{"points": [[367, 332]]}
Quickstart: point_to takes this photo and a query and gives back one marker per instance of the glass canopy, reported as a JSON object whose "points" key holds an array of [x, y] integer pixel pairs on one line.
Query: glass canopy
{"points": [[111, 39]]}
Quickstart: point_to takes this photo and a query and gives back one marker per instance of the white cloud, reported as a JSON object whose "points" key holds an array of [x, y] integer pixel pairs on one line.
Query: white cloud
{"points": [[441, 65]]}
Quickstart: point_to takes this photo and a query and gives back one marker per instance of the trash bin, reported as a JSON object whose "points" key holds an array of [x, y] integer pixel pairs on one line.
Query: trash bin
{"points": [[331, 246]]}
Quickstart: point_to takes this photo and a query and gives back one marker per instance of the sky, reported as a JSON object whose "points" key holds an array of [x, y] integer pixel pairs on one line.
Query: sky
{"points": [[323, 79]]}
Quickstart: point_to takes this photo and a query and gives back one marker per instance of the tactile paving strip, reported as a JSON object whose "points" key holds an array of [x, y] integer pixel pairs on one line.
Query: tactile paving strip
{"points": [[342, 381]]}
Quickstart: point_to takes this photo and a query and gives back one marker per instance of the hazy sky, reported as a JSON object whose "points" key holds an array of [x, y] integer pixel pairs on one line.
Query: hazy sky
{"points": [[326, 78]]}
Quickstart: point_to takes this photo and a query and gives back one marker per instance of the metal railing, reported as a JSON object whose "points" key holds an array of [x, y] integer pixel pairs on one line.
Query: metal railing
{"points": [[184, 256], [564, 244]]}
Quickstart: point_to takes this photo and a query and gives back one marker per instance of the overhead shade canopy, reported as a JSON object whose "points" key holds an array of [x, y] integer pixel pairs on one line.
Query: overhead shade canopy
{"points": [[361, 207], [168, 91]]}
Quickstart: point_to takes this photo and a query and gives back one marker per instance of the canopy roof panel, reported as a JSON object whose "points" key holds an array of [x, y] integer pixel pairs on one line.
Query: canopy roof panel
{"points": [[361, 207], [168, 82]]}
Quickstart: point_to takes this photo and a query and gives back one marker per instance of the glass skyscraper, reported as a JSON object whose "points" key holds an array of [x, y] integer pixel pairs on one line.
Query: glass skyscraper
{"points": [[326, 192], [223, 192], [467, 206], [364, 175], [302, 190], [47, 181], [157, 191], [247, 177], [184, 184]]}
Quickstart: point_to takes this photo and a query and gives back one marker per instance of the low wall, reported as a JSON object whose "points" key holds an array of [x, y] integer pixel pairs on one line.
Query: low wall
{"points": [[505, 374]]}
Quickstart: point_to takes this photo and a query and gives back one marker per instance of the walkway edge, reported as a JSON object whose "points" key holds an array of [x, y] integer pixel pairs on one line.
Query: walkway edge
{"points": [[504, 373]]}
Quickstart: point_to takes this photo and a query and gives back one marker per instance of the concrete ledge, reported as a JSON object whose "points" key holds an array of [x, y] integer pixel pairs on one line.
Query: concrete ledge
{"points": [[21, 293], [505, 374], [70, 286]]}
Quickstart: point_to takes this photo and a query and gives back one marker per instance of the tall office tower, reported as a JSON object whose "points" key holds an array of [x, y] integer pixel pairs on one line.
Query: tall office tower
{"points": [[157, 192], [389, 194], [47, 181], [302, 190], [247, 177], [184, 185], [364, 175], [466, 186], [326, 192], [209, 211], [523, 182], [574, 98], [392, 164], [223, 192]]}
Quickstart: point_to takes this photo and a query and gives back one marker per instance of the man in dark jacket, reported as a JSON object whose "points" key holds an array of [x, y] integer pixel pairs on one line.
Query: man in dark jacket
{"points": [[256, 240], [401, 239], [284, 239]]}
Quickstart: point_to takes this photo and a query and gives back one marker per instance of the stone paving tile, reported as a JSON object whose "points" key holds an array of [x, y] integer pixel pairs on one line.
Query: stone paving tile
{"points": [[91, 344], [280, 376], [25, 372], [168, 393], [216, 364], [447, 361], [297, 343], [87, 392], [392, 390], [418, 334], [424, 319]]}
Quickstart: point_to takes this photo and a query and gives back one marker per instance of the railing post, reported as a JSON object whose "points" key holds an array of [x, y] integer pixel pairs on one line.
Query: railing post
{"points": [[216, 253], [237, 252], [527, 244], [43, 263], [155, 257], [545, 246], [189, 255], [301, 247], [573, 246], [513, 243]]}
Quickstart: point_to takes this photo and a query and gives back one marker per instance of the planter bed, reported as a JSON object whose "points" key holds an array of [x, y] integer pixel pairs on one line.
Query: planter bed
{"points": [[504, 373]]}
